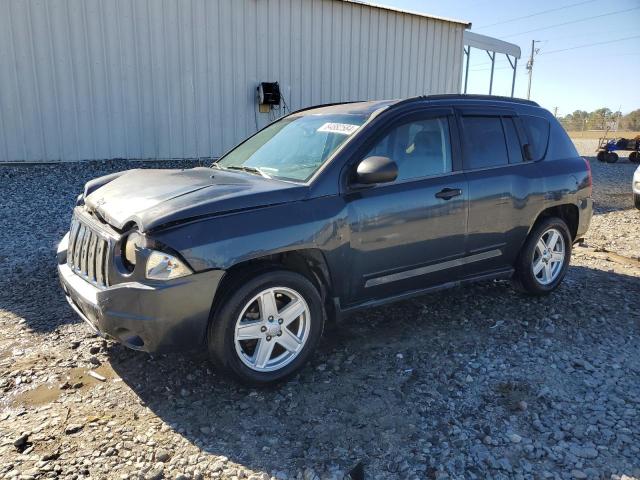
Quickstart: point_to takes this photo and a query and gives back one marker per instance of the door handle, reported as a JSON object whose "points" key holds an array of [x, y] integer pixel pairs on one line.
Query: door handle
{"points": [[448, 193]]}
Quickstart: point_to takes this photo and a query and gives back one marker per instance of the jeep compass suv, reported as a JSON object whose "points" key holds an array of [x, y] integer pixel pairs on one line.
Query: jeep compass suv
{"points": [[325, 211]]}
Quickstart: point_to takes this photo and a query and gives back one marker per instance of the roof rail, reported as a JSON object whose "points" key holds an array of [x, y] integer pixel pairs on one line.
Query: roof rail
{"points": [[322, 105], [467, 96]]}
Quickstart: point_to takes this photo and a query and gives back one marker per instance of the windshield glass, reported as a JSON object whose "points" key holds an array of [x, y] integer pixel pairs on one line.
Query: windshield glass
{"points": [[295, 147]]}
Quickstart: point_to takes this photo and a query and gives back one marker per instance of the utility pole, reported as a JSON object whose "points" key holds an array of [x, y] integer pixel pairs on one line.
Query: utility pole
{"points": [[555, 112], [534, 51]]}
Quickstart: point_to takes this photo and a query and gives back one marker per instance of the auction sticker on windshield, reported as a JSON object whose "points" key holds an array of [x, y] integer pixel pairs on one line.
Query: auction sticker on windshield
{"points": [[342, 128]]}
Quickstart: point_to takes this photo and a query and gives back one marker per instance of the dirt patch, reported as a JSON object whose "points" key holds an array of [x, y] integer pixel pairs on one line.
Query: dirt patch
{"points": [[74, 380]]}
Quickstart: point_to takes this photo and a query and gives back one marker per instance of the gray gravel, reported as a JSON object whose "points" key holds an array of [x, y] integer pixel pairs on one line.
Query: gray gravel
{"points": [[478, 382]]}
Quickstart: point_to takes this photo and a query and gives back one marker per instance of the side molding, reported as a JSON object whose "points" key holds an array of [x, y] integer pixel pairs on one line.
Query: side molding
{"points": [[394, 277]]}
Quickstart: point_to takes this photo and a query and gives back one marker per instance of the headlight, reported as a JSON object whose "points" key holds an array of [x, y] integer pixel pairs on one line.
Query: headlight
{"points": [[162, 266], [133, 240]]}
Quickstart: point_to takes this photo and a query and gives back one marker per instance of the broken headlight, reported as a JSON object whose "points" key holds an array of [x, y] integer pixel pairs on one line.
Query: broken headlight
{"points": [[133, 241], [162, 266]]}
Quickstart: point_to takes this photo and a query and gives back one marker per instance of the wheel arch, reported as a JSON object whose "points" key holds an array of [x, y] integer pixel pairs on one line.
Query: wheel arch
{"points": [[309, 262], [568, 212]]}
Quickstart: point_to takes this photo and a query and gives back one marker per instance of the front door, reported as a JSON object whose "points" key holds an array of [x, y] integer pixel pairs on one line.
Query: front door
{"points": [[409, 234]]}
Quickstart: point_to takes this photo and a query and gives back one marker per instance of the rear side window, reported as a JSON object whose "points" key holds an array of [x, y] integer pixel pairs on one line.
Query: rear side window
{"points": [[484, 142], [513, 142], [538, 132]]}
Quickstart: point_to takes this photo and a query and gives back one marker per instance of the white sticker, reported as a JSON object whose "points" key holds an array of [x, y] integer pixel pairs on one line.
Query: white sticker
{"points": [[341, 128]]}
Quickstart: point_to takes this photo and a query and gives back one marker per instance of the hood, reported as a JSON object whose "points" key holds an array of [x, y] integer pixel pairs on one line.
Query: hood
{"points": [[154, 197]]}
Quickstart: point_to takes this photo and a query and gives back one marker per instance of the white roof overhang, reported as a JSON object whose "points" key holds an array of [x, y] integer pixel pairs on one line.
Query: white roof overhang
{"points": [[491, 44]]}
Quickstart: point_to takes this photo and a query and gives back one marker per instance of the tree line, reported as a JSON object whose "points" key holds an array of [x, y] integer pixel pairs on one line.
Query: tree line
{"points": [[601, 119]]}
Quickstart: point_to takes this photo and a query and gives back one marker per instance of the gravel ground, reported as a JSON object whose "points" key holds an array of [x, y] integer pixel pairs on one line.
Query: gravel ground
{"points": [[478, 382]]}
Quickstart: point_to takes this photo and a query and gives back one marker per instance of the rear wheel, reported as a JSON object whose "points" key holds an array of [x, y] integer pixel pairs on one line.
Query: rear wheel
{"points": [[634, 157], [268, 328], [602, 155], [636, 200], [544, 258], [612, 157]]}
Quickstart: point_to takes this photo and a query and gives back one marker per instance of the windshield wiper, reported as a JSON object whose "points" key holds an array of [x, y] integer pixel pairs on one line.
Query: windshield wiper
{"points": [[244, 168]]}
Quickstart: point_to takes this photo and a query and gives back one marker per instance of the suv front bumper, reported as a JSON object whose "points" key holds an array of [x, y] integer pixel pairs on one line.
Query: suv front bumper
{"points": [[156, 317]]}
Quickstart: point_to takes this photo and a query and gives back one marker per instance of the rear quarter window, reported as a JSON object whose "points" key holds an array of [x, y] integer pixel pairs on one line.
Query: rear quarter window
{"points": [[560, 145], [537, 129]]}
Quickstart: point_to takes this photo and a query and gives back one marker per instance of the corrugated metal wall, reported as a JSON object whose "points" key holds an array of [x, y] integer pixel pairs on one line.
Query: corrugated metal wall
{"points": [[96, 79]]}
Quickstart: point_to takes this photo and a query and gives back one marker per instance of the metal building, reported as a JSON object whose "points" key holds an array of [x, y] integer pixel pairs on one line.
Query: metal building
{"points": [[102, 79]]}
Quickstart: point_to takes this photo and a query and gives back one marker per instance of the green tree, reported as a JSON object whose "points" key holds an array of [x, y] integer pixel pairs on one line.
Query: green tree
{"points": [[631, 121]]}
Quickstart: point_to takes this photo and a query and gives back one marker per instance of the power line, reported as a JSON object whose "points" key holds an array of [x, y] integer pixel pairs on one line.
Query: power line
{"points": [[536, 14], [571, 22], [504, 67], [590, 45], [588, 33]]}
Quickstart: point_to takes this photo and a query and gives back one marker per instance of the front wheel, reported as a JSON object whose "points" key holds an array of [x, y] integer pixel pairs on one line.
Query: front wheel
{"points": [[612, 157], [544, 259], [634, 157], [268, 328], [636, 200]]}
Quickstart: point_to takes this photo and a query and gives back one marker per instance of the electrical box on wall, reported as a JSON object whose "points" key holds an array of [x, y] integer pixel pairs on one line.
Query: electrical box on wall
{"points": [[269, 93]]}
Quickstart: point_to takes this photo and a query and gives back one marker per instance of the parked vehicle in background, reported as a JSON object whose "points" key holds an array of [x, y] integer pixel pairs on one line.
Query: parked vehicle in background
{"points": [[606, 151], [635, 186], [324, 212]]}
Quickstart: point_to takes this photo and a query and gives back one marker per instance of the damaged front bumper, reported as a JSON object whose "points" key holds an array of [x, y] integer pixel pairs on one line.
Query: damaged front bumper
{"points": [[156, 317]]}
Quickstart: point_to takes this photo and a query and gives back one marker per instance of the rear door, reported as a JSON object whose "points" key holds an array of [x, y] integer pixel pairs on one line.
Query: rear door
{"points": [[500, 182]]}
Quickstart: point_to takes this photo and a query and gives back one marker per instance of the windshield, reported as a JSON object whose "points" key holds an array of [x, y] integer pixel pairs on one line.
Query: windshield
{"points": [[293, 148]]}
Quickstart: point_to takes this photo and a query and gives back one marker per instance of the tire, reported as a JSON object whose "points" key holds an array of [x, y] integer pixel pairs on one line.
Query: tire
{"points": [[602, 155], [241, 314], [636, 200], [612, 157], [525, 279], [634, 157]]}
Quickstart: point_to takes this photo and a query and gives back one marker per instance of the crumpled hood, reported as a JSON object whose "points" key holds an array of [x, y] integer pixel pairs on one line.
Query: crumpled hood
{"points": [[155, 197]]}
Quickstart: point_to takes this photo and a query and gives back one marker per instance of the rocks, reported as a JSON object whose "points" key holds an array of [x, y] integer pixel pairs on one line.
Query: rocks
{"points": [[583, 452], [73, 428], [155, 473], [419, 389], [21, 441], [162, 456], [514, 438]]}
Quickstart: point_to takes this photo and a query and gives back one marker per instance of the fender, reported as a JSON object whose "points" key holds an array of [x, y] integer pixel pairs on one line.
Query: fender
{"points": [[227, 240]]}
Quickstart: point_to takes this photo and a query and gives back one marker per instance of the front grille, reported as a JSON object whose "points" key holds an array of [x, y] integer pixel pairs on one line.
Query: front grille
{"points": [[87, 253]]}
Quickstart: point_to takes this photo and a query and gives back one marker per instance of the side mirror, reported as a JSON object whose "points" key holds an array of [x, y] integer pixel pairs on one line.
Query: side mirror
{"points": [[376, 170]]}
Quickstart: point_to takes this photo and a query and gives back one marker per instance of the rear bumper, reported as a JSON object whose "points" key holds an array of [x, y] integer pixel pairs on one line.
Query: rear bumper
{"points": [[164, 316], [585, 212]]}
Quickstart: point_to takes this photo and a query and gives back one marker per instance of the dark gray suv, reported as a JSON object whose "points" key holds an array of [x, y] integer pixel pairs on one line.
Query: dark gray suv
{"points": [[323, 212]]}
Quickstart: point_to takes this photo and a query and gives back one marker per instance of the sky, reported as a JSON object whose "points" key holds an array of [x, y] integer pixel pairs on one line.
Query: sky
{"points": [[569, 72]]}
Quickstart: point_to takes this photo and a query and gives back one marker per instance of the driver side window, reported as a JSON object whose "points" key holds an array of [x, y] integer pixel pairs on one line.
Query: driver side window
{"points": [[421, 148]]}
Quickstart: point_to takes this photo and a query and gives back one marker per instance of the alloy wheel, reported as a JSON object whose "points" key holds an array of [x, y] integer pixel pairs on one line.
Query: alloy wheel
{"points": [[548, 257], [272, 329]]}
